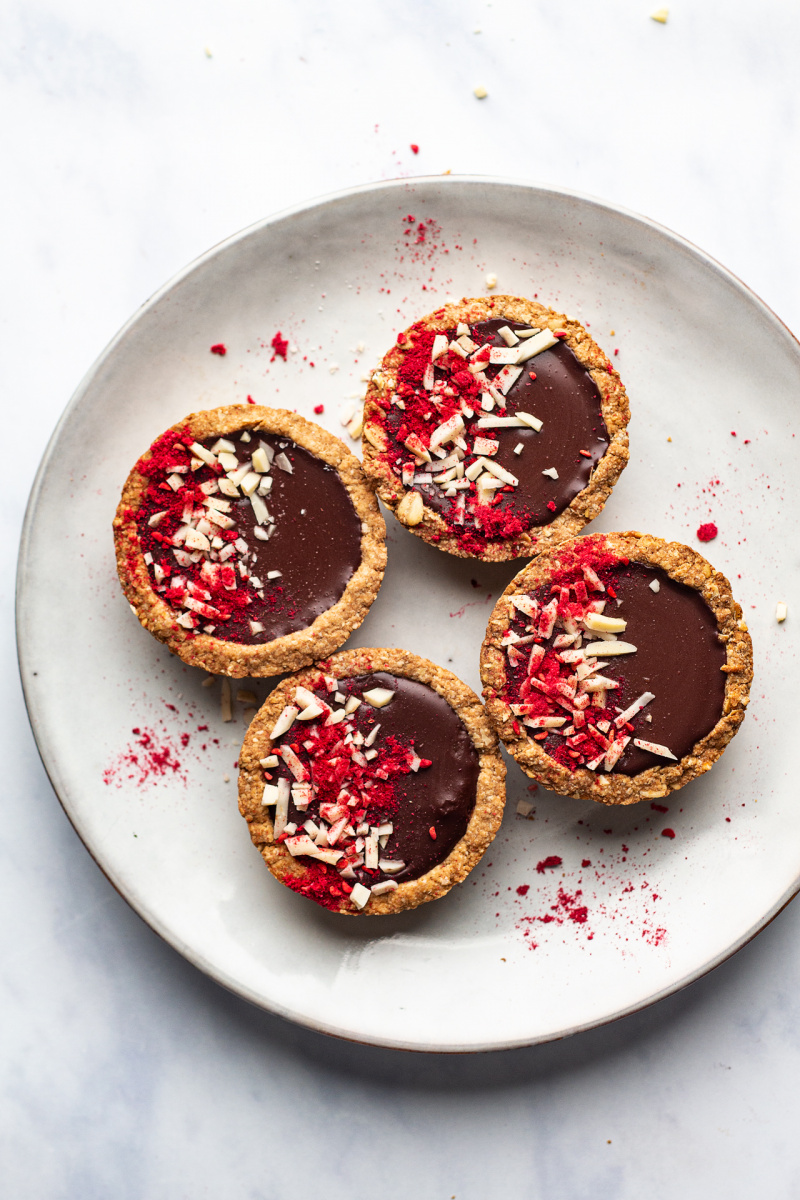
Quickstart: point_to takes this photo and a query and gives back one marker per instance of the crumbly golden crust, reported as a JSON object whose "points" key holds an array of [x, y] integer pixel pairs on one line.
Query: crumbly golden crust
{"points": [[682, 564], [583, 508], [490, 796], [293, 650]]}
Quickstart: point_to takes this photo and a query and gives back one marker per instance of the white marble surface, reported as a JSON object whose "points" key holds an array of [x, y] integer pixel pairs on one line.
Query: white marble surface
{"points": [[126, 152]]}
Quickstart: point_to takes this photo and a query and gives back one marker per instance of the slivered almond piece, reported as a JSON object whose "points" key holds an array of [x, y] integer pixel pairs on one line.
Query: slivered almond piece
{"points": [[601, 649], [503, 354], [360, 895], [633, 709], [508, 335], [504, 380], [378, 697], [260, 510], [439, 346], [535, 345], [654, 748], [200, 452], [445, 432], [284, 722], [599, 623], [500, 472]]}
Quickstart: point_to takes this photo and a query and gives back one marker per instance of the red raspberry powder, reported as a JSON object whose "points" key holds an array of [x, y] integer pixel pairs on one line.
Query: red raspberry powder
{"points": [[707, 533], [219, 348], [280, 345]]}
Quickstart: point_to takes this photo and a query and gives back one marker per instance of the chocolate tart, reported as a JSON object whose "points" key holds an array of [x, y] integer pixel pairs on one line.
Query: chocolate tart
{"points": [[617, 667], [249, 541], [495, 427], [372, 782]]}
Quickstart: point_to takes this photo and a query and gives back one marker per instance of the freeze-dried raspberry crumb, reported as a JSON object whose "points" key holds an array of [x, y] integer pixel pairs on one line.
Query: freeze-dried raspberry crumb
{"points": [[707, 532], [219, 348], [319, 408], [552, 861], [280, 345]]}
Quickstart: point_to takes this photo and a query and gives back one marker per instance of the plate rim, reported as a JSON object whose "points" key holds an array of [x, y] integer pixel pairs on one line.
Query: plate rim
{"points": [[139, 905]]}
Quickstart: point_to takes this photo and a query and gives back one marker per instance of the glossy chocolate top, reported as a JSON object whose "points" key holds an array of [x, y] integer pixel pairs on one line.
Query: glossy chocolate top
{"points": [[311, 535], [439, 796], [563, 396], [678, 659]]}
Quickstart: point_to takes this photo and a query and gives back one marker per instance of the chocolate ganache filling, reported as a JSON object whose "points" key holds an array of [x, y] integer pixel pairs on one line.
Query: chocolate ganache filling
{"points": [[251, 541], [552, 386], [667, 693], [410, 787]]}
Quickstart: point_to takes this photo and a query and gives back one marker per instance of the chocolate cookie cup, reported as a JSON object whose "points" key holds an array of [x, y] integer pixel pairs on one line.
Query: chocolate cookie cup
{"points": [[372, 782], [249, 541], [617, 667], [495, 427]]}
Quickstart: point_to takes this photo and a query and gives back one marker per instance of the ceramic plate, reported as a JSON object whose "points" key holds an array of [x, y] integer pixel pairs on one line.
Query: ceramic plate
{"points": [[135, 745]]}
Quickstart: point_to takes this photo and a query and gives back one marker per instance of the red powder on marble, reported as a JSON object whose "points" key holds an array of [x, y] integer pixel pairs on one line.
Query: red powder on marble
{"points": [[523, 889], [414, 148], [319, 409], [668, 833], [219, 348], [707, 532]]}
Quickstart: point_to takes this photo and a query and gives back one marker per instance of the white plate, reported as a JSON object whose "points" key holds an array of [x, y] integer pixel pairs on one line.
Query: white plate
{"points": [[700, 355]]}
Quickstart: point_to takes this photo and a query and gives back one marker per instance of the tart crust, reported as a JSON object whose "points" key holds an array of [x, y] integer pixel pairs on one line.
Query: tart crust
{"points": [[681, 563], [613, 402], [329, 630], [490, 794]]}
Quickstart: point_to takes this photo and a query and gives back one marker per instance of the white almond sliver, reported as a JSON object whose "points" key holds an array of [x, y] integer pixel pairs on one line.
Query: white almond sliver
{"points": [[781, 611], [378, 697], [282, 806], [250, 482], [445, 432], [391, 865], [360, 895], [505, 379], [599, 623], [260, 510], [529, 420], [509, 337], [175, 482], [260, 461], [284, 722], [283, 462], [654, 585], [551, 471], [596, 649], [495, 469], [270, 795], [503, 354], [535, 345], [544, 722], [387, 885], [156, 519], [351, 704], [200, 452], [439, 346], [633, 709], [654, 748]]}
